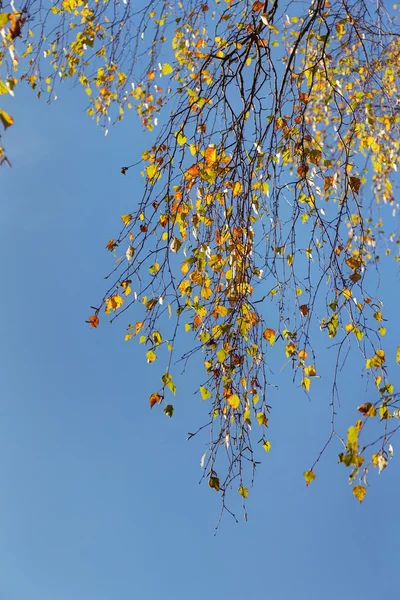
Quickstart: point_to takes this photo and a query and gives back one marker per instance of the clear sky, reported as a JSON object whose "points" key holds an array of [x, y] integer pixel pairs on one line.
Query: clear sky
{"points": [[99, 496]]}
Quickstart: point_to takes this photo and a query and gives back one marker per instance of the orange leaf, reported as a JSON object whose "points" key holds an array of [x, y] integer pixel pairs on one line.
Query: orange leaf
{"points": [[192, 172], [155, 399], [269, 335], [211, 155], [111, 245], [257, 6], [94, 320]]}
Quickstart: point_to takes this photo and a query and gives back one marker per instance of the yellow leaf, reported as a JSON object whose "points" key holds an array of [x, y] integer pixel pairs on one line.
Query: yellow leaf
{"points": [[352, 440], [243, 491], [262, 419], [181, 138], [166, 69], [6, 119], [4, 18], [359, 492], [310, 371], [204, 392], [126, 219], [309, 476], [237, 188], [234, 400], [306, 383], [206, 292], [384, 412], [128, 337], [347, 293], [151, 171], [398, 354], [151, 356], [138, 327], [267, 446]]}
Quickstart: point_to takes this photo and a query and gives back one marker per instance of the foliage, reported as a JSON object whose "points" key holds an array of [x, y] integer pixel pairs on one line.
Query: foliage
{"points": [[267, 193]]}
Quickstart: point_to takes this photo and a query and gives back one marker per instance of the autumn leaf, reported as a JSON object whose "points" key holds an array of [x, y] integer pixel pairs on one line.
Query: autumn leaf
{"points": [[355, 184], [151, 356], [262, 419], [169, 410], [367, 409], [130, 253], [310, 371], [192, 172], [234, 400], [213, 482], [304, 310], [111, 245], [16, 22], [181, 138], [237, 188], [211, 155], [166, 69], [6, 119], [126, 219], [269, 335], [205, 393], [155, 399], [94, 320], [359, 492], [243, 491], [4, 18], [266, 445], [309, 476]]}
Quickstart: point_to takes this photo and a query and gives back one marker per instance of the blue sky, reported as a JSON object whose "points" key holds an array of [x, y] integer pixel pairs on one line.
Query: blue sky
{"points": [[100, 497]]}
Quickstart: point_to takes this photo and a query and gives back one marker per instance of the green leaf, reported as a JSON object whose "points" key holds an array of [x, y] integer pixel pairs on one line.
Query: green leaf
{"points": [[169, 410], [167, 380], [221, 355]]}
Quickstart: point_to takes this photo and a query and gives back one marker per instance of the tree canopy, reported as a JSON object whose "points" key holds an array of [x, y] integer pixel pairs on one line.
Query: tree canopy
{"points": [[268, 197]]}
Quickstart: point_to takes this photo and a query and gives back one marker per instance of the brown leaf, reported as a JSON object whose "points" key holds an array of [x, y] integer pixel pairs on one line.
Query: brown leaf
{"points": [[355, 184], [304, 310], [16, 23]]}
